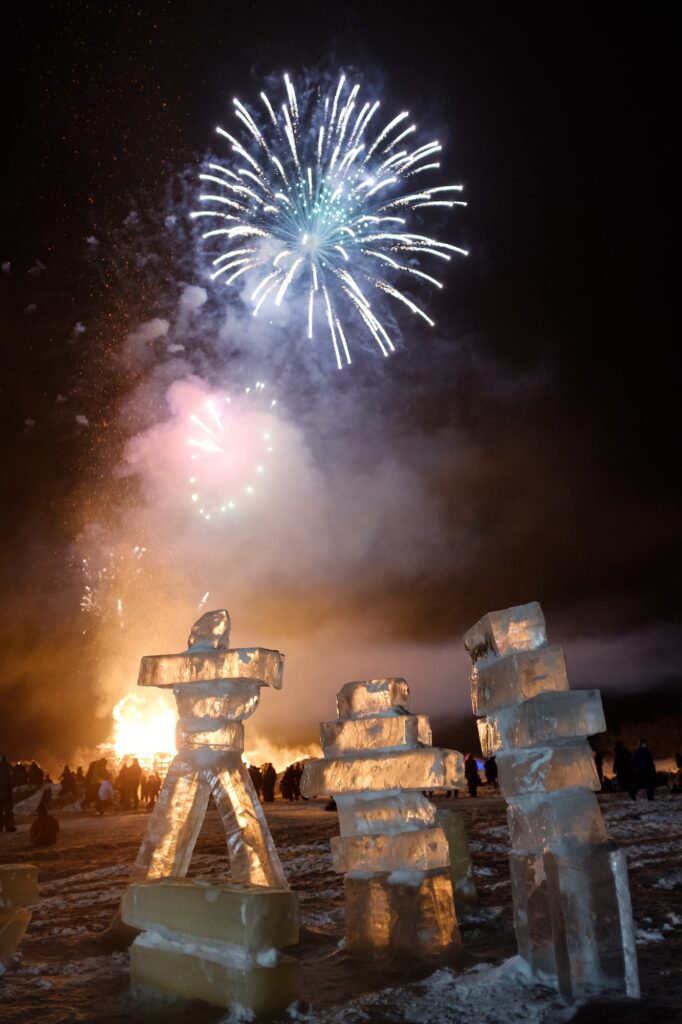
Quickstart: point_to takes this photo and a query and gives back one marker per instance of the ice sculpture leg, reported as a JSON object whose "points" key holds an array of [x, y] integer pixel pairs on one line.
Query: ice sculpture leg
{"points": [[174, 824], [252, 853]]}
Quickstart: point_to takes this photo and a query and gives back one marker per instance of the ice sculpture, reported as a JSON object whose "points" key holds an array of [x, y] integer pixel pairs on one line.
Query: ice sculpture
{"points": [[18, 890], [219, 943], [395, 856], [572, 911], [216, 687]]}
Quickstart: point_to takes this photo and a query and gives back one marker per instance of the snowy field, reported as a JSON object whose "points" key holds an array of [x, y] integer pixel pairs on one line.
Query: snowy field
{"points": [[65, 973]]}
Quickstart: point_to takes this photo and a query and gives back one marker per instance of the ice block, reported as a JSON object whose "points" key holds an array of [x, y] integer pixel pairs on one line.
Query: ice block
{"points": [[18, 885], [13, 924], [256, 918], [423, 768], [519, 628], [422, 850], [591, 916], [233, 701], [404, 912], [199, 665], [516, 678], [213, 973], [192, 733], [545, 718], [384, 813], [532, 919], [383, 732], [555, 821], [459, 858], [546, 769], [372, 697]]}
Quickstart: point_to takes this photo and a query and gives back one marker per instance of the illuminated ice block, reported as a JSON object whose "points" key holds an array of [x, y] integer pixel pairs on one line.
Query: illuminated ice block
{"points": [[199, 665], [545, 718], [384, 813], [233, 702], [459, 857], [191, 733], [255, 918], [18, 885], [517, 677], [215, 687], [547, 769], [372, 697], [13, 924], [422, 768], [217, 974], [555, 821], [406, 912], [423, 850], [520, 628], [591, 917], [382, 732]]}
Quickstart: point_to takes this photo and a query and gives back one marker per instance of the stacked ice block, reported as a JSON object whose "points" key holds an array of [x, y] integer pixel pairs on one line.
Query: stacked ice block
{"points": [[394, 856], [219, 943], [18, 890], [572, 909]]}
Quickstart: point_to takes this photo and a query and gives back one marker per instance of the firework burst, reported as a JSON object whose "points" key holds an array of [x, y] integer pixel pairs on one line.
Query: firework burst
{"points": [[316, 202]]}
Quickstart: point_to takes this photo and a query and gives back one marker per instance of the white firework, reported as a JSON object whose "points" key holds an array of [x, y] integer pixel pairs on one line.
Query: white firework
{"points": [[316, 202]]}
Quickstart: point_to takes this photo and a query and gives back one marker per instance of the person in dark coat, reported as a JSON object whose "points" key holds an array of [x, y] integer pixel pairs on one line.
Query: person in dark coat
{"points": [[269, 780], [20, 774], [622, 766], [490, 769], [643, 771], [45, 828], [68, 782], [256, 778], [36, 775], [134, 777], [471, 774], [286, 786], [6, 787], [152, 789]]}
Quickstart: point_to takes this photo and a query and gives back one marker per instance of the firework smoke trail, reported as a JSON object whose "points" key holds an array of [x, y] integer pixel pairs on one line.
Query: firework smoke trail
{"points": [[318, 202]]}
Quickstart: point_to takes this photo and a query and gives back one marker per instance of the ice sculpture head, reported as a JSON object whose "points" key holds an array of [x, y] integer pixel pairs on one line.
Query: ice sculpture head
{"points": [[211, 632]]}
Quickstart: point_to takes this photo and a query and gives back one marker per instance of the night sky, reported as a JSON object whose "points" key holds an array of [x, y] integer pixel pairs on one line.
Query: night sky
{"points": [[526, 448]]}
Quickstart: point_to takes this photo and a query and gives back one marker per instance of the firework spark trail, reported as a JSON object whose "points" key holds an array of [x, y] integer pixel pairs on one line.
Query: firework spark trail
{"points": [[311, 200]]}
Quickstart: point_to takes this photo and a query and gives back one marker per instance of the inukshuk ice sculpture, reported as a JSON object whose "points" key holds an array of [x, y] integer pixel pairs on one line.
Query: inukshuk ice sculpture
{"points": [[217, 942], [395, 860], [572, 911]]}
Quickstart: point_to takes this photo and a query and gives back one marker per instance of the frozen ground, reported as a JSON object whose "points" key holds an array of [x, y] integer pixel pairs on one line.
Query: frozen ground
{"points": [[65, 974]]}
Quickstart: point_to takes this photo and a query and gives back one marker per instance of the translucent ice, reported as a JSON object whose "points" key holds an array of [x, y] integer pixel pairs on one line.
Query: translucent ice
{"points": [[517, 677], [253, 663], [547, 717], [211, 631], [514, 629], [532, 919], [554, 821], [546, 769], [384, 732], [372, 697], [209, 732], [176, 820], [384, 813], [213, 973], [235, 700], [422, 768], [255, 918], [424, 850], [591, 918], [407, 913], [18, 885], [459, 858]]}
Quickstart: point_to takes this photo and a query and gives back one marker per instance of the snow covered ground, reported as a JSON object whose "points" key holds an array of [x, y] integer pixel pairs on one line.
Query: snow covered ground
{"points": [[65, 973]]}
